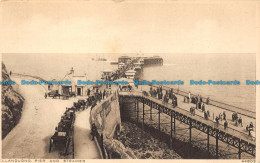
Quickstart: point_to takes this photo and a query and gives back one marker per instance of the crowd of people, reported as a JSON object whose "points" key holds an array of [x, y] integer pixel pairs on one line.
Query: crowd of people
{"points": [[92, 99], [199, 105], [97, 97], [220, 117], [169, 95]]}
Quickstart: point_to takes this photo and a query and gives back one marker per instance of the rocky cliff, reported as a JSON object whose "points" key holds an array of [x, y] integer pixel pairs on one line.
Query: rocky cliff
{"points": [[12, 104]]}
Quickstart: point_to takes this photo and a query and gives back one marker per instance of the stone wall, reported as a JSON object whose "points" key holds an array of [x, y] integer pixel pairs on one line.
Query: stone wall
{"points": [[106, 117]]}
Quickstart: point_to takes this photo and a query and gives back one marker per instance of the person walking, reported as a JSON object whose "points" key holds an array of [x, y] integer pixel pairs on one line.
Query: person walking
{"points": [[240, 121], [206, 115], [194, 111], [189, 98], [220, 116], [207, 100], [88, 92], [224, 115], [203, 107], [225, 124], [100, 96], [217, 120], [236, 122], [104, 94], [164, 99]]}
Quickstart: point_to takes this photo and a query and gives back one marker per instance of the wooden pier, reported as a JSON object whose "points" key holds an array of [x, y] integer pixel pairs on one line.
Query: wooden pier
{"points": [[239, 140]]}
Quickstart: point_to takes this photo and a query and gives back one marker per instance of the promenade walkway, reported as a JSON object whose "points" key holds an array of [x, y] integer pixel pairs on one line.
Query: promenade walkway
{"points": [[84, 147], [30, 137]]}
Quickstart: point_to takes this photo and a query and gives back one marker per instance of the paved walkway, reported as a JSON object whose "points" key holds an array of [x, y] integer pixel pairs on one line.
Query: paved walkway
{"points": [[84, 147], [31, 136]]}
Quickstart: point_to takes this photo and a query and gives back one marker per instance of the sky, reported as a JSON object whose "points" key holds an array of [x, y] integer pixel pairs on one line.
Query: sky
{"points": [[128, 27]]}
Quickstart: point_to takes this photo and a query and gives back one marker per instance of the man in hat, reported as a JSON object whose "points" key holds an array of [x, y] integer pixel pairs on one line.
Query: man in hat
{"points": [[93, 130]]}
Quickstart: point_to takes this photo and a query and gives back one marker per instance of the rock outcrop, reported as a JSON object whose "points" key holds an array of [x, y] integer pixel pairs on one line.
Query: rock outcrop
{"points": [[143, 144], [115, 147], [12, 104]]}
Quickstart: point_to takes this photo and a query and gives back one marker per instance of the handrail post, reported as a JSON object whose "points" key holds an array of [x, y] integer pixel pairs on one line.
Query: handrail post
{"points": [[143, 115], [159, 118], [239, 149], [171, 130], [174, 123], [137, 110], [102, 146], [190, 128], [208, 139], [151, 117], [217, 144]]}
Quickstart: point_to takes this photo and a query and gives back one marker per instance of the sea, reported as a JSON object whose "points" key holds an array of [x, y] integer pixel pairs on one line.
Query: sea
{"points": [[184, 67]]}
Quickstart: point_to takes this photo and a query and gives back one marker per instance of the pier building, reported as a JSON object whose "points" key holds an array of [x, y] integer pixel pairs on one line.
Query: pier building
{"points": [[74, 88]]}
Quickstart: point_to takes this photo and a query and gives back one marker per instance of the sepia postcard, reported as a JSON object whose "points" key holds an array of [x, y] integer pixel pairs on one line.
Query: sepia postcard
{"points": [[128, 80]]}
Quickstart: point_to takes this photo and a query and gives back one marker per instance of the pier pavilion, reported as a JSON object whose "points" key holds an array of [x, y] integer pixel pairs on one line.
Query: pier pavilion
{"points": [[124, 59], [130, 74], [156, 60]]}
